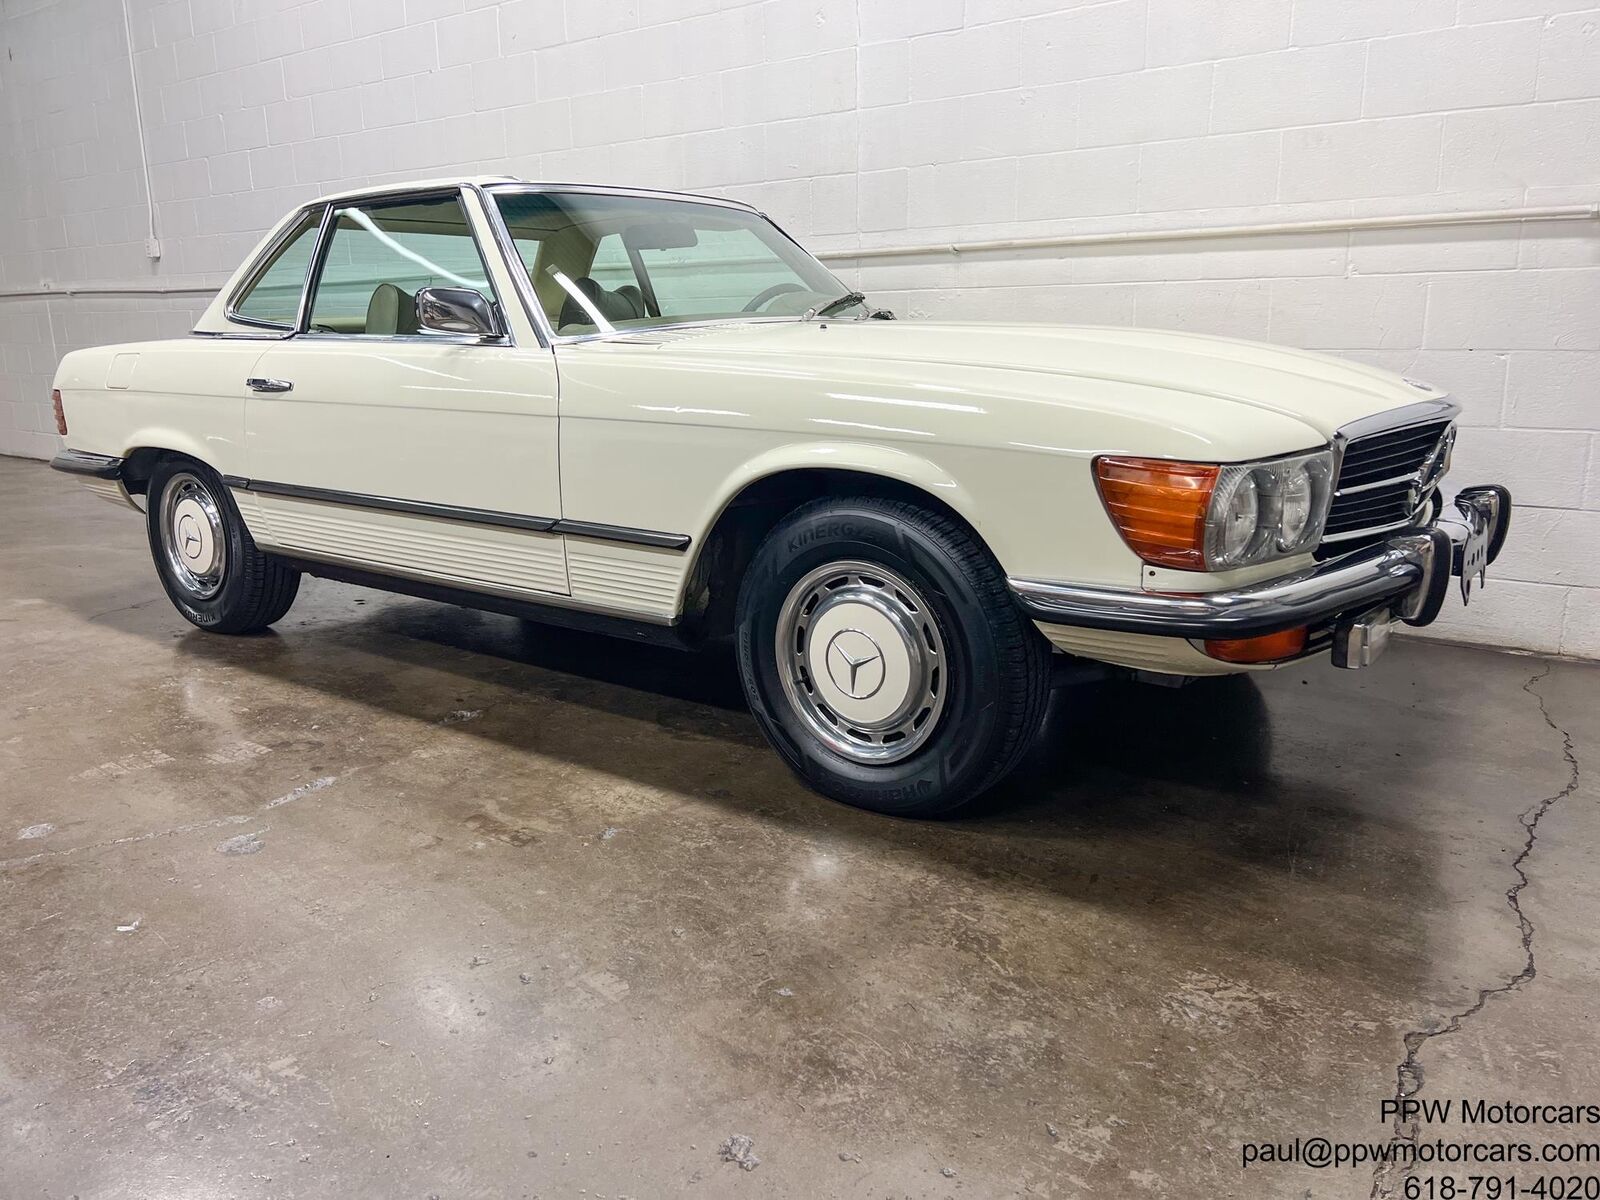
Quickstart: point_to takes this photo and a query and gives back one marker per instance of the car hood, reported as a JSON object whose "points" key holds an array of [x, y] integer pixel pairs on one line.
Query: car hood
{"points": [[1320, 391]]}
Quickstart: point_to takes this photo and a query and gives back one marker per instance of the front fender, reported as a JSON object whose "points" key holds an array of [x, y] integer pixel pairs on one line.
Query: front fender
{"points": [[1033, 510], [888, 462]]}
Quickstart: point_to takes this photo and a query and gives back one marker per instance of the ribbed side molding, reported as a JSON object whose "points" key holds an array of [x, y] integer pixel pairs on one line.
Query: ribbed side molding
{"points": [[637, 577], [472, 516]]}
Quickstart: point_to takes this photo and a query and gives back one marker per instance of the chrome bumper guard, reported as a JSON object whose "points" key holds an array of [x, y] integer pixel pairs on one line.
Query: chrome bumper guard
{"points": [[1410, 572], [81, 462]]}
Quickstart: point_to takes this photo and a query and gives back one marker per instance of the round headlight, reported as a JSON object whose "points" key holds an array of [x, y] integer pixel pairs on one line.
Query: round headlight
{"points": [[1299, 500], [1237, 518]]}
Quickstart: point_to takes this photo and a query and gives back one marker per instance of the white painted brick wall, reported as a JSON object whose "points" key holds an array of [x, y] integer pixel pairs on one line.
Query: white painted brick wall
{"points": [[876, 122]]}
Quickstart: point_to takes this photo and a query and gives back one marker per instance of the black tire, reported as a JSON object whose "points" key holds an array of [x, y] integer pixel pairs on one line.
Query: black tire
{"points": [[996, 671], [251, 589]]}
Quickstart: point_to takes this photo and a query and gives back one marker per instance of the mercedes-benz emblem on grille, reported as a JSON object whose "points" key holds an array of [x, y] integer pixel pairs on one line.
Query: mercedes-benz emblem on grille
{"points": [[855, 664], [1432, 467]]}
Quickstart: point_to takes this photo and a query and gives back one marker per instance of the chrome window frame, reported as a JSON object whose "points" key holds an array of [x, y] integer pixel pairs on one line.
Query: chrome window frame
{"points": [[506, 337], [524, 284], [264, 261]]}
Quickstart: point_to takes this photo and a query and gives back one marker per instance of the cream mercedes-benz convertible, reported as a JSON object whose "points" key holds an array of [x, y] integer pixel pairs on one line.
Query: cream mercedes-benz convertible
{"points": [[657, 415]]}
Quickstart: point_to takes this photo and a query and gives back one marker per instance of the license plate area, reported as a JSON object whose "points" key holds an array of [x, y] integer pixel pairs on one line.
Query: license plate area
{"points": [[1472, 557]]}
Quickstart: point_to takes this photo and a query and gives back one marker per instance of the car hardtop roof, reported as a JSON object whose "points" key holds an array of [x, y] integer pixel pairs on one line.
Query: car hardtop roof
{"points": [[426, 185]]}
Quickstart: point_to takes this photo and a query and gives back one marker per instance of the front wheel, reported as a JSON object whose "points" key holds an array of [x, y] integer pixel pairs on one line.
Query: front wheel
{"points": [[884, 657], [207, 560]]}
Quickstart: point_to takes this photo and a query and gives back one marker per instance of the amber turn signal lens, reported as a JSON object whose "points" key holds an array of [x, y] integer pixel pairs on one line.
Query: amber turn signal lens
{"points": [[1159, 507], [61, 416], [1269, 647]]}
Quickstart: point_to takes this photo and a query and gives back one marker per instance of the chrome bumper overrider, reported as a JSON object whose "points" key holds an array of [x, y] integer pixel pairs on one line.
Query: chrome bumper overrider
{"points": [[81, 462], [1411, 571]]}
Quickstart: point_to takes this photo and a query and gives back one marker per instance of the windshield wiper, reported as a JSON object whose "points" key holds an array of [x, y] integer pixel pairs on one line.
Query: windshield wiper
{"points": [[832, 306]]}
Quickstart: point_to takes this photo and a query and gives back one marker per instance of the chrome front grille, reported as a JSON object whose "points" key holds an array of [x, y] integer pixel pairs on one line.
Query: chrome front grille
{"points": [[1387, 480]]}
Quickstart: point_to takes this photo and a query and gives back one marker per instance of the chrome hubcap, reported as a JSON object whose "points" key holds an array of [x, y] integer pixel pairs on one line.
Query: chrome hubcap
{"points": [[192, 534], [862, 661]]}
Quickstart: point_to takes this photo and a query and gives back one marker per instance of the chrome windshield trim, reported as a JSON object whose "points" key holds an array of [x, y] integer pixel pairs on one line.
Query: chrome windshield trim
{"points": [[515, 267], [524, 284]]}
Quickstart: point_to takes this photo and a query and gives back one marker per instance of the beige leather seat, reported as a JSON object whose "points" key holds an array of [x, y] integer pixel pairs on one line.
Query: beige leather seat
{"points": [[624, 304], [391, 310]]}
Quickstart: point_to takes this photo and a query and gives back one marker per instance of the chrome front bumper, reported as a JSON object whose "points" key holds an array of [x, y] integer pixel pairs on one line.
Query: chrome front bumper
{"points": [[1410, 571]]}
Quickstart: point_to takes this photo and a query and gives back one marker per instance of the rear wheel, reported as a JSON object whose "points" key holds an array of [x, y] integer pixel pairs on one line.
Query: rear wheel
{"points": [[207, 560], [884, 657]]}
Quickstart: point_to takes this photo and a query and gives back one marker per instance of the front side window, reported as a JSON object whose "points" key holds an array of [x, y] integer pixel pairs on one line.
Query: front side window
{"points": [[601, 262], [273, 296], [380, 255]]}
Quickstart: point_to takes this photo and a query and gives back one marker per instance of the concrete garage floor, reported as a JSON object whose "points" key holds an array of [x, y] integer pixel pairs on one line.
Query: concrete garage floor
{"points": [[406, 901]]}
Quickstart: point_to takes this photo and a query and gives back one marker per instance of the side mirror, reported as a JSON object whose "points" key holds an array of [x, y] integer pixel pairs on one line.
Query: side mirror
{"points": [[456, 310]]}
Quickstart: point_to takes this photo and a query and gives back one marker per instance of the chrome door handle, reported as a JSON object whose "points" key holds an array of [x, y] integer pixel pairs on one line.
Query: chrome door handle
{"points": [[269, 385]]}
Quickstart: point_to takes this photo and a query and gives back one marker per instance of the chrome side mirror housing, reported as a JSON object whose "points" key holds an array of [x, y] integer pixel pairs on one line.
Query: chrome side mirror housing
{"points": [[458, 311]]}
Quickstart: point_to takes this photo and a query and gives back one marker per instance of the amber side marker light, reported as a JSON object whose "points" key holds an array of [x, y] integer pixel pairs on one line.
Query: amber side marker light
{"points": [[1159, 507], [1269, 647], [61, 416]]}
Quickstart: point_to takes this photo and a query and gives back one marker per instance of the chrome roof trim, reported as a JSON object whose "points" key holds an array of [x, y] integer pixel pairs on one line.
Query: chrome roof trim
{"points": [[602, 189]]}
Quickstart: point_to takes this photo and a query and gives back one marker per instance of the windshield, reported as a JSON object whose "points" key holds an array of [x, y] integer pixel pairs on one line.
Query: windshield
{"points": [[602, 262]]}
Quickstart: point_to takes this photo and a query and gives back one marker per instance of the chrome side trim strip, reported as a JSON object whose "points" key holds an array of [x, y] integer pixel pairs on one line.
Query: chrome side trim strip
{"points": [[416, 508], [81, 462], [623, 533], [472, 516]]}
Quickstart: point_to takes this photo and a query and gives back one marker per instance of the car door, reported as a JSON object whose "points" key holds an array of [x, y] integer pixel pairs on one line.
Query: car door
{"points": [[373, 443]]}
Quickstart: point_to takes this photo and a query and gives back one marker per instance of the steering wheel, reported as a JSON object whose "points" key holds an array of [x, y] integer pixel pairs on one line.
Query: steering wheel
{"points": [[768, 295]]}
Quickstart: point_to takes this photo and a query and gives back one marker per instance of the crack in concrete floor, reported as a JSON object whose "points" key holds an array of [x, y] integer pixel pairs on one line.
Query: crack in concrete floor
{"points": [[1388, 1178]]}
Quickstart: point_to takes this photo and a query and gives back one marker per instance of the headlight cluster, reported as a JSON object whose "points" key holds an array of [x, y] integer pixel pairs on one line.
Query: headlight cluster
{"points": [[1216, 516], [1267, 510]]}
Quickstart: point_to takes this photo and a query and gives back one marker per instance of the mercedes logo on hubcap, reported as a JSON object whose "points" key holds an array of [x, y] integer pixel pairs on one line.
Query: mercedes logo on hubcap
{"points": [[190, 537], [855, 664]]}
